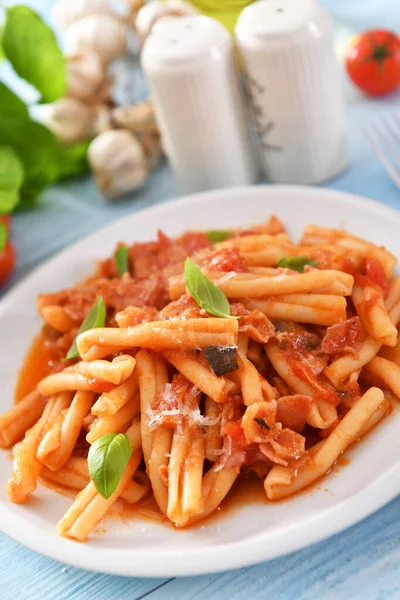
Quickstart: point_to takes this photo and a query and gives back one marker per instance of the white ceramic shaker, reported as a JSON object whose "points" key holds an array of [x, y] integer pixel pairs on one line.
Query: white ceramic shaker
{"points": [[294, 82], [190, 67]]}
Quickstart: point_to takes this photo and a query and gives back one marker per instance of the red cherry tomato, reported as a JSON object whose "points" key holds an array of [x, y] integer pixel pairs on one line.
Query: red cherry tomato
{"points": [[373, 62], [6, 219], [7, 262]]}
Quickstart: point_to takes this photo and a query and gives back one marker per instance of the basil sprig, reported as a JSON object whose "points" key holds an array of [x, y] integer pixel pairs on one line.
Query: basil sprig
{"points": [[206, 294], [296, 263], [3, 236], [107, 459], [122, 259], [217, 235], [95, 318]]}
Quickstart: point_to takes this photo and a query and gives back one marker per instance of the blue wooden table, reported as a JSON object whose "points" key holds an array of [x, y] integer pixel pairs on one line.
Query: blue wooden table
{"points": [[361, 563]]}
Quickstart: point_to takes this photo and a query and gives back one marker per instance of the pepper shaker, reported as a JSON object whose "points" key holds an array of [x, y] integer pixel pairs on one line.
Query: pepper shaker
{"points": [[190, 67], [294, 82]]}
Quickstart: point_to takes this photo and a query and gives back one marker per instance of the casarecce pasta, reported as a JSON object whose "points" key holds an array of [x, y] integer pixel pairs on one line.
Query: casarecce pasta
{"points": [[256, 355]]}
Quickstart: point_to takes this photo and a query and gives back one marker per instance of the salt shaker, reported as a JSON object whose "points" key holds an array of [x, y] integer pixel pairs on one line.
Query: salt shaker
{"points": [[190, 66], [293, 78]]}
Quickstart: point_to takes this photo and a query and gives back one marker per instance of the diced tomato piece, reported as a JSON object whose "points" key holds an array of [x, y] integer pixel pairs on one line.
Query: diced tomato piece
{"points": [[235, 431]]}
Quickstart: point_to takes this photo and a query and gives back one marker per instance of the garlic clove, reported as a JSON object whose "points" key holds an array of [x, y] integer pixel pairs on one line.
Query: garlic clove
{"points": [[103, 120], [118, 162], [156, 10], [102, 33], [136, 117], [147, 16], [69, 119], [85, 74], [180, 8], [152, 147], [66, 12]]}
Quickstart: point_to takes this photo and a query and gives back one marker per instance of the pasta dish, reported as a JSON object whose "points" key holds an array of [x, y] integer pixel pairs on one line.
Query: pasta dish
{"points": [[184, 364]]}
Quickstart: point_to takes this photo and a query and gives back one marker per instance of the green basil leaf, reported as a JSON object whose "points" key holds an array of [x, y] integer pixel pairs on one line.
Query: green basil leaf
{"points": [[11, 178], [95, 318], [74, 160], [296, 263], [2, 55], [3, 236], [40, 152], [217, 235], [32, 49], [206, 294], [12, 107], [122, 259], [107, 459]]}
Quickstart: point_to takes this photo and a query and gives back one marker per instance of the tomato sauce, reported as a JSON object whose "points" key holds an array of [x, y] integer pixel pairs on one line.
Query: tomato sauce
{"points": [[37, 364]]}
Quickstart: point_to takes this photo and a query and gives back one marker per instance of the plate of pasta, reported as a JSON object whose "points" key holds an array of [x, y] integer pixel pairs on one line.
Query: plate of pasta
{"points": [[203, 385]]}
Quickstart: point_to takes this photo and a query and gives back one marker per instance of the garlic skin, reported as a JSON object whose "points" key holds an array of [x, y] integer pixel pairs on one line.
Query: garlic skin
{"points": [[69, 119], [118, 163], [136, 117], [152, 147], [85, 74], [102, 33], [156, 10]]}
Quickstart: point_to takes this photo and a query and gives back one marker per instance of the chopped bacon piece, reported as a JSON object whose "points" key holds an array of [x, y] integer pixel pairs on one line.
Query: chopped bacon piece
{"points": [[232, 409], [343, 338], [152, 257], [239, 310], [125, 291], [75, 301], [318, 382], [374, 276], [133, 315], [59, 346], [193, 241], [284, 446], [235, 431], [258, 420], [257, 326], [374, 272], [225, 259], [163, 240], [184, 308], [180, 391], [292, 411]]}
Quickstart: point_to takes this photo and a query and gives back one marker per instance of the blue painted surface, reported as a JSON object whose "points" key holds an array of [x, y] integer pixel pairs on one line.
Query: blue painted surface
{"points": [[361, 563]]}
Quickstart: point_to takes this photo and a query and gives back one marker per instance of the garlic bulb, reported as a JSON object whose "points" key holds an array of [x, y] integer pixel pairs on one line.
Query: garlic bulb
{"points": [[67, 12], [85, 74], [136, 117], [156, 10], [69, 119], [102, 33], [118, 162]]}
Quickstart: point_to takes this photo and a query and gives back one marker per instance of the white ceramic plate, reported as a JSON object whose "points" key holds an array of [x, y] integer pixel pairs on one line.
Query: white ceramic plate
{"points": [[254, 532]]}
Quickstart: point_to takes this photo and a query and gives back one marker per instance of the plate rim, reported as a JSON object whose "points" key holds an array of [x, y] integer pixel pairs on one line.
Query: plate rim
{"points": [[224, 556]]}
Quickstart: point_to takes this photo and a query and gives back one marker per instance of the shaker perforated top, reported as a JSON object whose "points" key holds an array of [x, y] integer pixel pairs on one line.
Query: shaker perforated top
{"points": [[179, 39], [274, 17]]}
